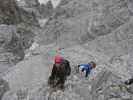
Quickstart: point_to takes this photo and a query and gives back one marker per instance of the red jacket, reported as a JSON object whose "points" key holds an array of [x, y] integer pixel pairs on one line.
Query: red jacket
{"points": [[58, 59]]}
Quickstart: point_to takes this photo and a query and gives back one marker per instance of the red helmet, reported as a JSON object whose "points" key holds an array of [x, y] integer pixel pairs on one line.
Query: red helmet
{"points": [[58, 59]]}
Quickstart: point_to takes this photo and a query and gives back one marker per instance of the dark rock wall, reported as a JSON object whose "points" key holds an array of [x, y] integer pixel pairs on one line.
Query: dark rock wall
{"points": [[16, 29]]}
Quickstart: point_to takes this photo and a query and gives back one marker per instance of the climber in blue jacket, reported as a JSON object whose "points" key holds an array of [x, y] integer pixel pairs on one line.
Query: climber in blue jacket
{"points": [[87, 67]]}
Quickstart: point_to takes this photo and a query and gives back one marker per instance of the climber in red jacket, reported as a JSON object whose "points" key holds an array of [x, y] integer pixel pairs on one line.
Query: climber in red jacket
{"points": [[61, 69]]}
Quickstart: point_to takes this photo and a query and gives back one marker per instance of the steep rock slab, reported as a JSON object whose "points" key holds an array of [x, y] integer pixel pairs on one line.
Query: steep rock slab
{"points": [[28, 73]]}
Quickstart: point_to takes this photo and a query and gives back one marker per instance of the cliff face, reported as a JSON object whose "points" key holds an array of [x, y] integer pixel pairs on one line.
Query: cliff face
{"points": [[9, 12], [86, 20], [16, 35], [97, 30], [12, 14], [72, 22], [16, 30]]}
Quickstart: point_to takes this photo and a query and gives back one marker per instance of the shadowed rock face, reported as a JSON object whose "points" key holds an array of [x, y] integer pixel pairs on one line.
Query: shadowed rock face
{"points": [[35, 7], [9, 12], [14, 41], [12, 14], [16, 30], [4, 87]]}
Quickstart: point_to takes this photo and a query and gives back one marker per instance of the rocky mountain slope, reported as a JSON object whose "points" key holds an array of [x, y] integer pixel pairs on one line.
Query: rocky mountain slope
{"points": [[97, 30]]}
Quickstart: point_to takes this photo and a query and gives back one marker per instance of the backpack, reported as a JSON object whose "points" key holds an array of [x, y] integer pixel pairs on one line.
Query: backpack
{"points": [[67, 67]]}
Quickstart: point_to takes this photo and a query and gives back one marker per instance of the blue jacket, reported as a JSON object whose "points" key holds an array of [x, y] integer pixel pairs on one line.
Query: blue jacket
{"points": [[86, 67]]}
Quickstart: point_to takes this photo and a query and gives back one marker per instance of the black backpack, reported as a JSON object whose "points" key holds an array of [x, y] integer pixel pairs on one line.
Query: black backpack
{"points": [[67, 67]]}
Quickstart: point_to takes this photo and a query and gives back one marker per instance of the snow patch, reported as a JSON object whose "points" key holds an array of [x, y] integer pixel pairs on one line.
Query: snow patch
{"points": [[33, 47], [42, 22], [43, 1], [55, 3]]}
